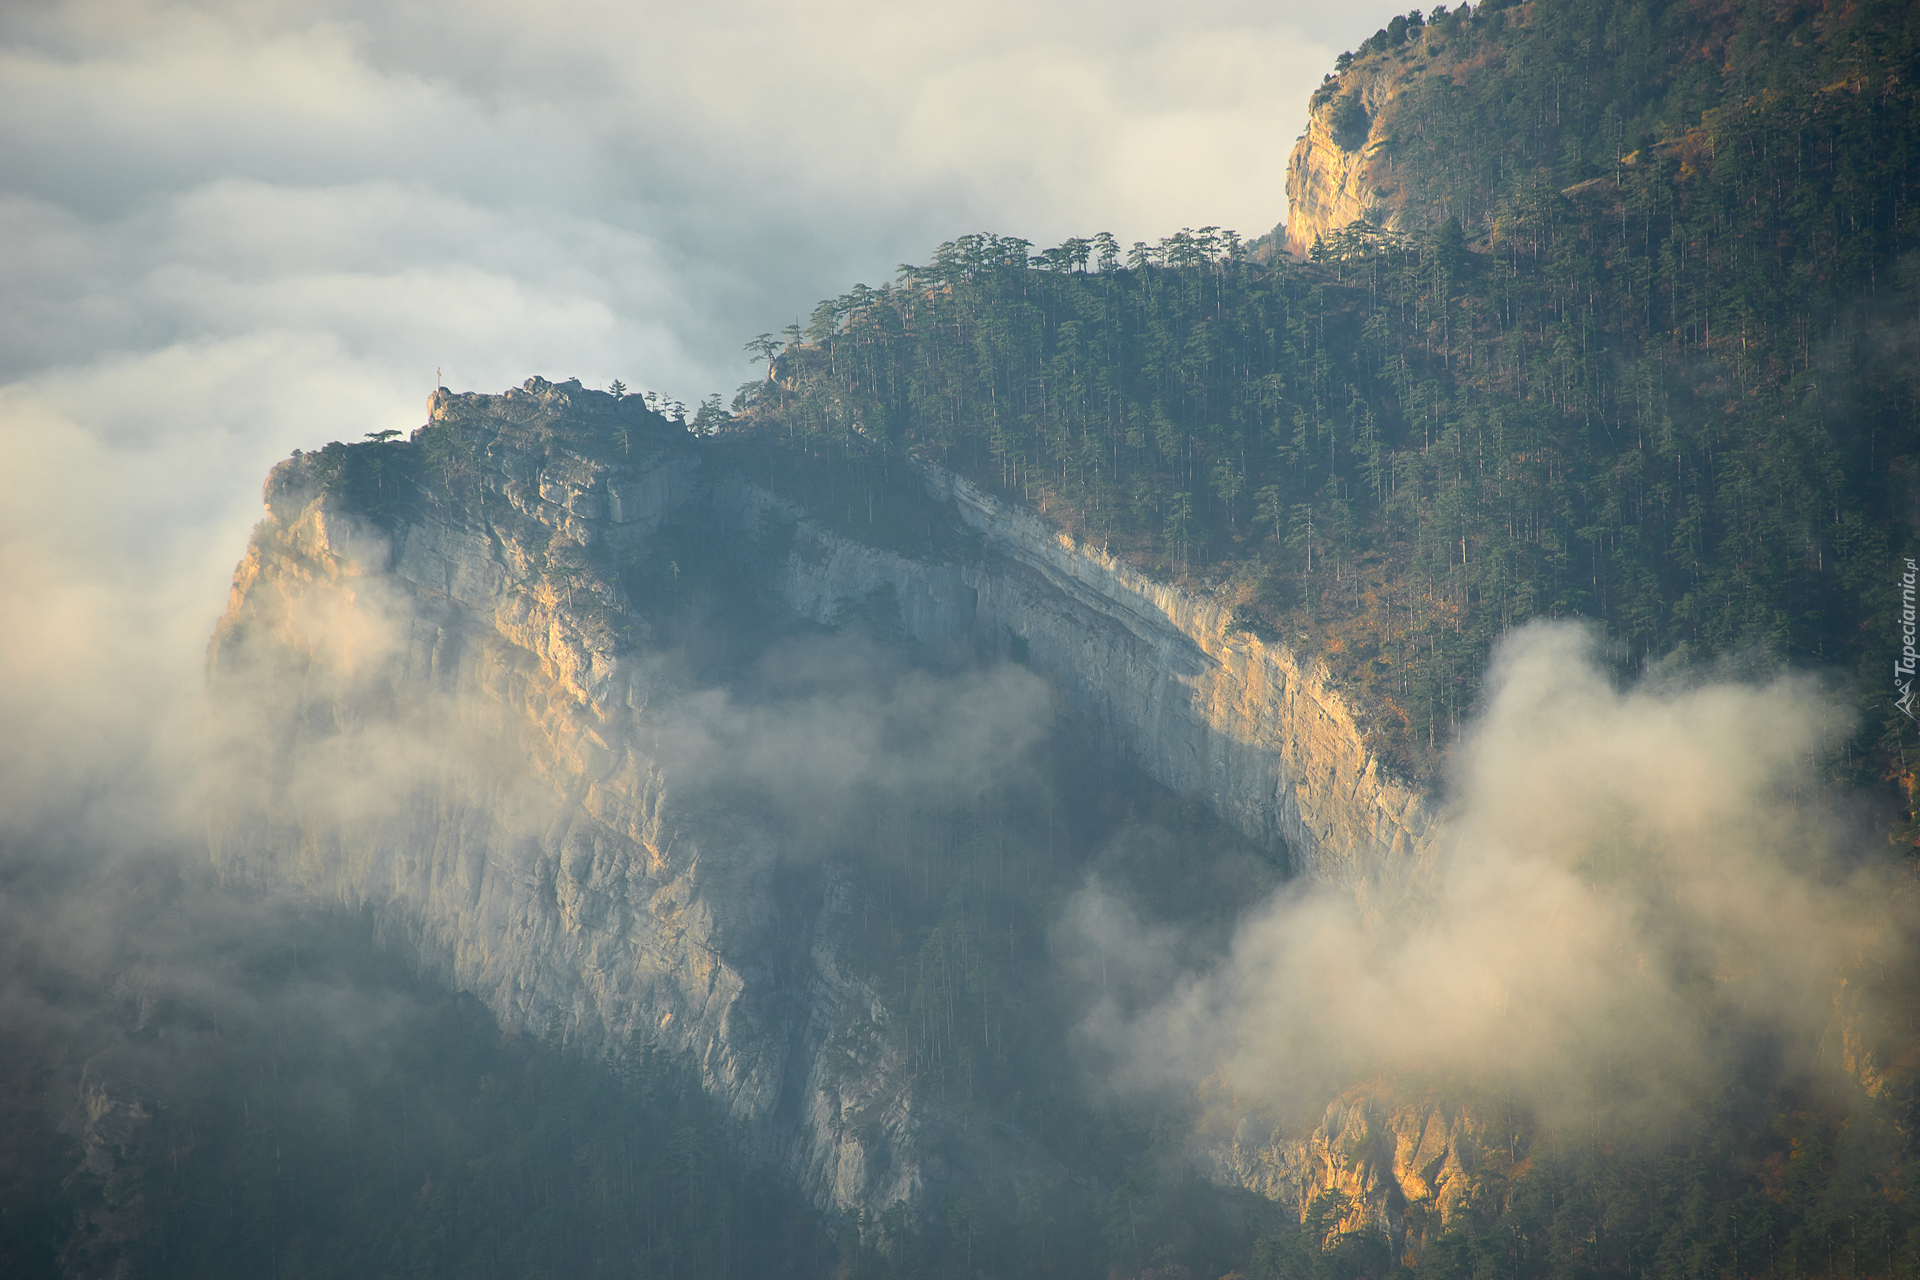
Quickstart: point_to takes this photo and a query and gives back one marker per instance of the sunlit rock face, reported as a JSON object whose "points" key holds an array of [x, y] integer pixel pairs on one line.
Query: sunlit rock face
{"points": [[449, 713], [1352, 161], [1400, 1163]]}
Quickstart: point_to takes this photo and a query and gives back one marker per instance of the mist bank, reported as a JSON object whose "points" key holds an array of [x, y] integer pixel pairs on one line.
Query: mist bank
{"points": [[219, 1082]]}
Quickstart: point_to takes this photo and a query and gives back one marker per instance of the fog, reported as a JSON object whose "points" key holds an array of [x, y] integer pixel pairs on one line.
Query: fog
{"points": [[230, 230], [234, 229], [1631, 883]]}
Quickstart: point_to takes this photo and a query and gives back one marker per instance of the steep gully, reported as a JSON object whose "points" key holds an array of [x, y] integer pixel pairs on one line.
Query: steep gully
{"points": [[559, 866]]}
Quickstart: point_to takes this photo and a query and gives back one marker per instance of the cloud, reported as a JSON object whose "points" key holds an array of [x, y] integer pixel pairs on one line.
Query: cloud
{"points": [[824, 724], [238, 228], [117, 527], [1632, 875]]}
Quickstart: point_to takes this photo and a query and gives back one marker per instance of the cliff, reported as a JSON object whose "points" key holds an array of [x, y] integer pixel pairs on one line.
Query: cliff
{"points": [[1403, 1163], [472, 751], [461, 724], [1341, 169], [1355, 162], [1268, 740]]}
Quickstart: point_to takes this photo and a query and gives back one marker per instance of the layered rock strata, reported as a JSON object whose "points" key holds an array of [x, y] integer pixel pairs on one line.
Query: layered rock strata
{"points": [[1266, 738]]}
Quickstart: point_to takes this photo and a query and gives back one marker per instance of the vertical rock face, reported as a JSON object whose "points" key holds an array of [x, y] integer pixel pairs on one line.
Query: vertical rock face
{"points": [[1402, 1164], [114, 1125], [1341, 169], [1351, 163], [451, 715], [1267, 739], [445, 735]]}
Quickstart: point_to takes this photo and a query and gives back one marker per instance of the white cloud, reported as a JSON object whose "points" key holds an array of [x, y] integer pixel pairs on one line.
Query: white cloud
{"points": [[125, 489], [1634, 878]]}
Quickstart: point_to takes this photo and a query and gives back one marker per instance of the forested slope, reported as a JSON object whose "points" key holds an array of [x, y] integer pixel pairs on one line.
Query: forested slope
{"points": [[1651, 360]]}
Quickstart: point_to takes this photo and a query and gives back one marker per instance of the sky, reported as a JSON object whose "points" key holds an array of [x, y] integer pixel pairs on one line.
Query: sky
{"points": [[228, 230]]}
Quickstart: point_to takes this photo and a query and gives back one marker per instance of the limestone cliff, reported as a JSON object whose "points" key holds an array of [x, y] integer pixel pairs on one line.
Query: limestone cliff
{"points": [[454, 719], [1268, 739], [453, 740], [1348, 166], [1341, 169], [1400, 1161]]}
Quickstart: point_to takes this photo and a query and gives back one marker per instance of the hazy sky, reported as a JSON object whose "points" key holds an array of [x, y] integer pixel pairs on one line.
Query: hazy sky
{"points": [[227, 230]]}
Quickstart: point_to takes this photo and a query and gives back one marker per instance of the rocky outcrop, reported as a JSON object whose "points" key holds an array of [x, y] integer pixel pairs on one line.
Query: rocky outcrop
{"points": [[453, 729], [1869, 1033], [451, 715], [114, 1125], [1341, 169], [1400, 1163], [1349, 165]]}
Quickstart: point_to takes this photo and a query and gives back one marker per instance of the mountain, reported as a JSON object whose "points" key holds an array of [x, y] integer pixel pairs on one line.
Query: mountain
{"points": [[580, 807], [844, 784]]}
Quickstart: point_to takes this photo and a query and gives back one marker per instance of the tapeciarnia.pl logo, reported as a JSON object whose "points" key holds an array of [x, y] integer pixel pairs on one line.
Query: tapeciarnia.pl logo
{"points": [[1903, 665]]}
